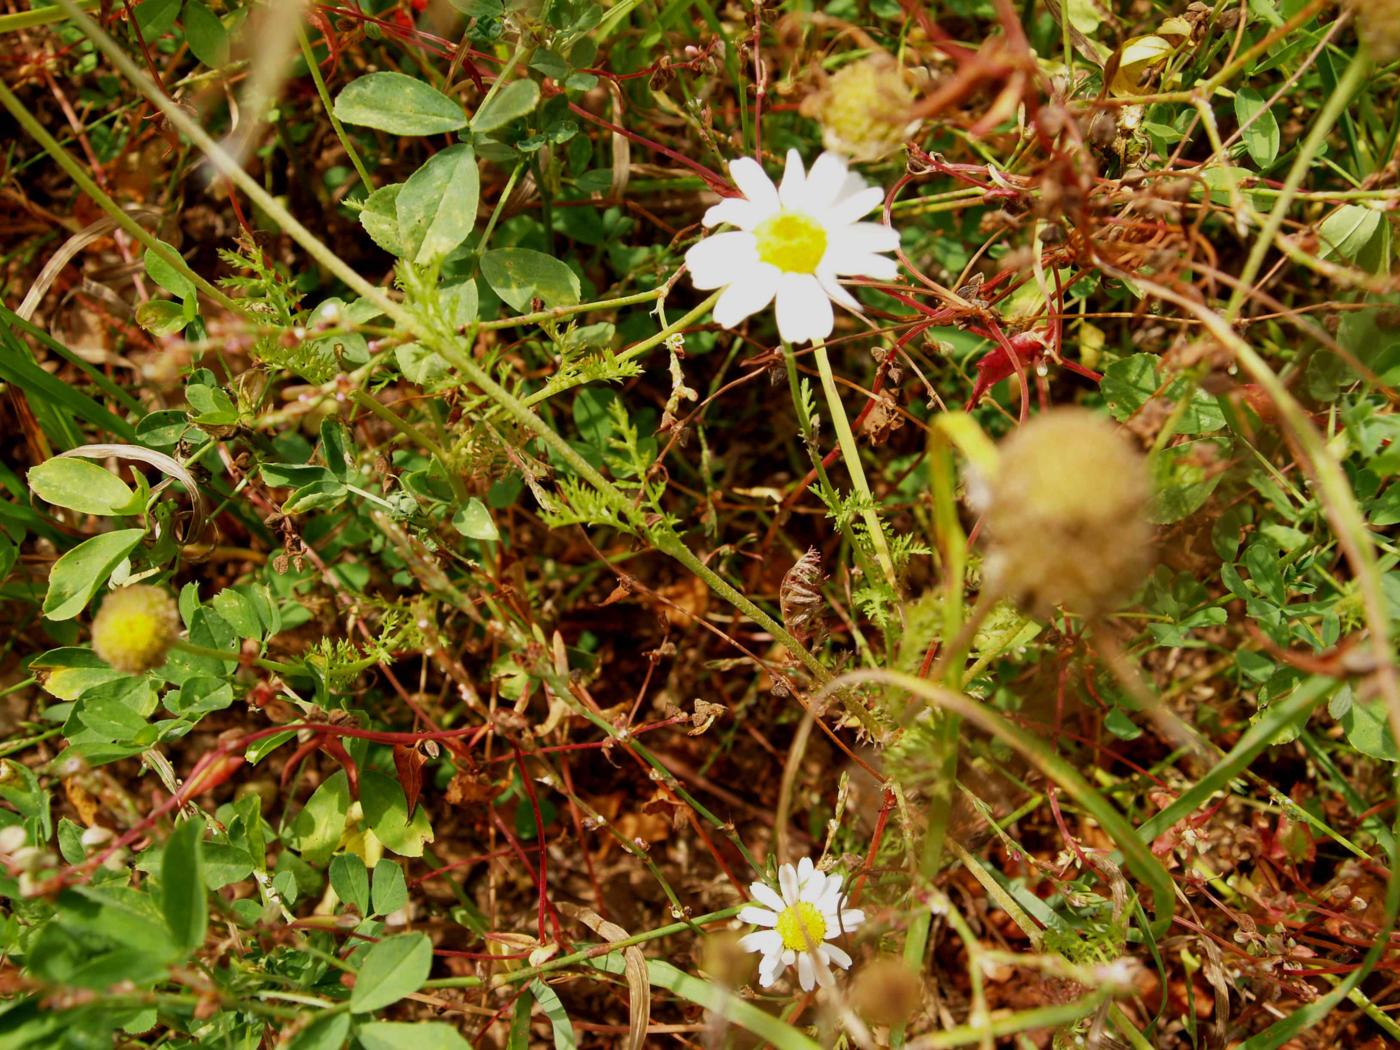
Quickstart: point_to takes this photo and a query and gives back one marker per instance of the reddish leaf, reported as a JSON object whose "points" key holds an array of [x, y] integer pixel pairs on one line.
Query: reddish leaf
{"points": [[409, 762]]}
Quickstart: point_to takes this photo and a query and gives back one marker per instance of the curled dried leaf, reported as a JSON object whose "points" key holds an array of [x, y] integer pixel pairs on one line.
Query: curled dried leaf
{"points": [[704, 716], [634, 968]]}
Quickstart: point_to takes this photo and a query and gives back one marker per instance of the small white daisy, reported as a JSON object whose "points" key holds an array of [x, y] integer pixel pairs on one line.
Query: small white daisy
{"points": [[800, 923], [791, 243]]}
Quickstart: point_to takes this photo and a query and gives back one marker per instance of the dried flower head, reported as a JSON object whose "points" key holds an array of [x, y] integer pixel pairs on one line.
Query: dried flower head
{"points": [[1379, 24], [1067, 514], [135, 627], [886, 991], [864, 108]]}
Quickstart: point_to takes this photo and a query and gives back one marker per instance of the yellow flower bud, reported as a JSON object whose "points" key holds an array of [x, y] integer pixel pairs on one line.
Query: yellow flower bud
{"points": [[1067, 516], [135, 627], [864, 108]]}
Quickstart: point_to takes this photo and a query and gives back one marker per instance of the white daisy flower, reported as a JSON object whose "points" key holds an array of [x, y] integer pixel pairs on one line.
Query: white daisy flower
{"points": [[800, 921], [791, 242]]}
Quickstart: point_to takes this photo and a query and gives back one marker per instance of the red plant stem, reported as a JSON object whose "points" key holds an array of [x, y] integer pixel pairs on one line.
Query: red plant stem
{"points": [[715, 182], [937, 35], [886, 808], [467, 862], [1053, 797], [546, 908], [519, 851]]}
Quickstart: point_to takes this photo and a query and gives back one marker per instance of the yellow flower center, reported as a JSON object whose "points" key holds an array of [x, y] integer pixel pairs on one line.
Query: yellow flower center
{"points": [[791, 241], [801, 927]]}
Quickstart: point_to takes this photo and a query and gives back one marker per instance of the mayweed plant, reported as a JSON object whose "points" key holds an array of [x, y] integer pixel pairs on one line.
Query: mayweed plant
{"points": [[453, 547], [801, 917]]}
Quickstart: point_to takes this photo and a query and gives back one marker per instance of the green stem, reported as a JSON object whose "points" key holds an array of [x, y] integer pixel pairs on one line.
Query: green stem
{"points": [[329, 107], [638, 349], [491, 228], [118, 215], [850, 452], [1009, 1024], [195, 649], [558, 313], [1352, 80], [38, 16]]}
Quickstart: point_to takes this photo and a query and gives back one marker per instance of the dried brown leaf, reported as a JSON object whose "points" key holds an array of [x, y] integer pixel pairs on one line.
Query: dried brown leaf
{"points": [[634, 969]]}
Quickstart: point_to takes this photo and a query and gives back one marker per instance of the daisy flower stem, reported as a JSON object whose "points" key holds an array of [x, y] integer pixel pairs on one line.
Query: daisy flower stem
{"points": [[851, 454]]}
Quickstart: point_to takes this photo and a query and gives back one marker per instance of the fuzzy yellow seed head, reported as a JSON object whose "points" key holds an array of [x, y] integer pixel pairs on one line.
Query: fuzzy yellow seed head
{"points": [[135, 628], [1067, 515], [864, 108]]}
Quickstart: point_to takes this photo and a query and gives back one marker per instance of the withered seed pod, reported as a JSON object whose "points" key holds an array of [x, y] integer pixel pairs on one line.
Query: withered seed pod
{"points": [[1067, 516], [885, 991], [1379, 24]]}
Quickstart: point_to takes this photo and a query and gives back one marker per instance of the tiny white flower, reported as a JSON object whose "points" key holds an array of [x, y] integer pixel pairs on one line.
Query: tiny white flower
{"points": [[790, 244], [800, 921]]}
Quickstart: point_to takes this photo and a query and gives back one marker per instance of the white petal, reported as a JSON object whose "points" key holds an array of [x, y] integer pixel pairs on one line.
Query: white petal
{"points": [[765, 895], [813, 886], [752, 289], [754, 183], [793, 189], [838, 294], [854, 207], [787, 874], [737, 212], [806, 973], [769, 942], [825, 182], [758, 916], [805, 867], [853, 185], [768, 970], [804, 313], [849, 919], [831, 897], [713, 262], [789, 957], [824, 976], [862, 237], [866, 264], [836, 955]]}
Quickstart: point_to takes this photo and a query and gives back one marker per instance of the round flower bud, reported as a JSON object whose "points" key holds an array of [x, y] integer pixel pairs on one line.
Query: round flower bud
{"points": [[1067, 516], [886, 991], [724, 961], [135, 628], [1379, 24], [864, 108]]}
